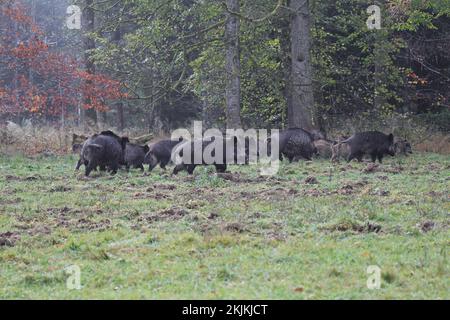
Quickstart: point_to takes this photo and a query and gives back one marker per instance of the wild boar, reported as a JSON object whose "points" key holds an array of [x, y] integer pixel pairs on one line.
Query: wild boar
{"points": [[296, 143], [373, 143], [402, 147], [230, 153], [160, 153], [134, 156]]}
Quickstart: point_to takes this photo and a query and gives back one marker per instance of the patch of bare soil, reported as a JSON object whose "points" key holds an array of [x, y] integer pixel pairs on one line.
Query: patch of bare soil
{"points": [[173, 213], [159, 196], [204, 228], [194, 204], [156, 191], [392, 169], [213, 216], [275, 232], [380, 192], [164, 187], [8, 191], [348, 166], [234, 177], [311, 180], [202, 194], [60, 211], [354, 227], [28, 178], [436, 194], [88, 224], [370, 168], [278, 193], [426, 226], [351, 187], [39, 230], [9, 177], [168, 214], [64, 217], [346, 189], [11, 201], [60, 189], [234, 227], [277, 236], [32, 178], [149, 194], [314, 192], [188, 178], [8, 239], [240, 178], [140, 195], [433, 167]]}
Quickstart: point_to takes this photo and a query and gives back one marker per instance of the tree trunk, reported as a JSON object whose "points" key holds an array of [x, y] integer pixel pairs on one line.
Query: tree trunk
{"points": [[379, 58], [285, 46], [150, 108], [117, 36], [302, 104], [233, 66], [89, 44], [120, 118]]}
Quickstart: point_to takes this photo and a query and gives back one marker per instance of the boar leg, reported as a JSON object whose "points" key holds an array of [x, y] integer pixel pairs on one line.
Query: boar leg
{"points": [[190, 168], [178, 168], [374, 157], [164, 163], [89, 167], [352, 156], [152, 166], [221, 167], [78, 165], [114, 168], [380, 157]]}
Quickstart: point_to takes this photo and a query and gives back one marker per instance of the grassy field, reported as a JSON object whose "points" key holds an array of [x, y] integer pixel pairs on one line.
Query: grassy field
{"points": [[308, 233]]}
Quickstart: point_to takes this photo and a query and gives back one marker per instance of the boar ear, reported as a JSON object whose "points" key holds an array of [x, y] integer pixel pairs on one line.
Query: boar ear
{"points": [[108, 133], [146, 148], [391, 138]]}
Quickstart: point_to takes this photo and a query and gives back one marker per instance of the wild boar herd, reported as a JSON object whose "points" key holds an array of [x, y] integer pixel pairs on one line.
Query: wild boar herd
{"points": [[108, 151]]}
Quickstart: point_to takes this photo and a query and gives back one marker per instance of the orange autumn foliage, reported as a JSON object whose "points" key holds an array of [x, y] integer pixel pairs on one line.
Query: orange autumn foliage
{"points": [[41, 81]]}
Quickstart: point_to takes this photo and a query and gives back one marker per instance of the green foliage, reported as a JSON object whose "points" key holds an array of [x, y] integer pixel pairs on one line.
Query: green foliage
{"points": [[438, 121], [354, 65], [171, 56], [421, 14]]}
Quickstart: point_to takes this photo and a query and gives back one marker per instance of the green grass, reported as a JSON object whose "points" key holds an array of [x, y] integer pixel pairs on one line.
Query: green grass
{"points": [[157, 236]]}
